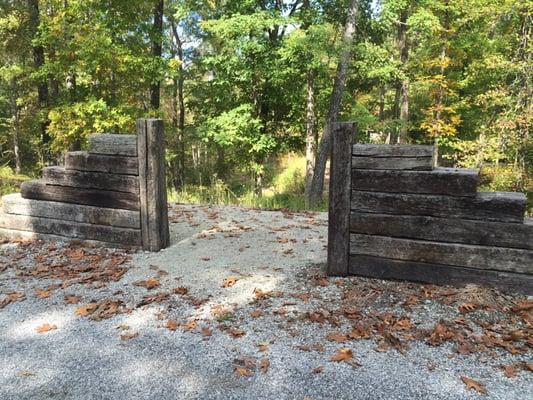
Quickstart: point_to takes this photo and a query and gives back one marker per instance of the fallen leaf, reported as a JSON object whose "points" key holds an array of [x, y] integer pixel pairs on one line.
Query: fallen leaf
{"points": [[180, 290], [318, 369], [472, 384], [265, 364], [509, 370], [123, 327], [263, 346], [11, 298], [336, 337], [342, 355], [207, 332], [241, 371], [72, 299], [172, 324], [129, 336], [229, 282], [26, 373], [42, 293], [190, 325], [256, 313], [467, 307], [236, 333], [149, 284], [45, 328]]}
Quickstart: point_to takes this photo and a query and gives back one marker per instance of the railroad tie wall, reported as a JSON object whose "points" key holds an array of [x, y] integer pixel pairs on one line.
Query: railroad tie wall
{"points": [[394, 216], [114, 194]]}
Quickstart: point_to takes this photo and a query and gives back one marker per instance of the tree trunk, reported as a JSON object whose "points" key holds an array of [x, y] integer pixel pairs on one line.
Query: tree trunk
{"points": [[15, 112], [382, 91], [440, 94], [157, 50], [310, 137], [324, 147], [42, 85], [403, 86]]}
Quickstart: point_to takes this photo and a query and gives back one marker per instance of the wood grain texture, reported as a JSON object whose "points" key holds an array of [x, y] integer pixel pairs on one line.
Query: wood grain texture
{"points": [[112, 144], [490, 206], [447, 181], [70, 229], [386, 150], [484, 233], [393, 163], [83, 161], [91, 180], [459, 255], [152, 178], [38, 190], [15, 204], [383, 268], [339, 199]]}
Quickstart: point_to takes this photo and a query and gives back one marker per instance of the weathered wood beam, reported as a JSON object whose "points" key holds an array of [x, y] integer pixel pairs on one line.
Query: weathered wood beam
{"points": [[112, 144], [339, 200], [384, 268], [70, 229], [152, 179], [447, 181], [393, 163], [83, 161], [490, 206], [38, 190], [91, 180], [459, 255], [484, 233], [385, 150], [15, 204]]}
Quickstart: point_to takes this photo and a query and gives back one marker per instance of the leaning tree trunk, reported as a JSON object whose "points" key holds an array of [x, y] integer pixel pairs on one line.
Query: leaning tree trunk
{"points": [[310, 134], [157, 51], [404, 83], [324, 147]]}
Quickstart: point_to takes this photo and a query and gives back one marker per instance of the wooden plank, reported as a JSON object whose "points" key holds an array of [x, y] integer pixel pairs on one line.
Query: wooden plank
{"points": [[71, 229], [459, 255], [384, 268], [339, 199], [386, 150], [393, 163], [484, 233], [490, 206], [13, 234], [448, 181], [152, 176], [112, 144], [15, 204], [91, 180], [38, 190], [83, 161]]}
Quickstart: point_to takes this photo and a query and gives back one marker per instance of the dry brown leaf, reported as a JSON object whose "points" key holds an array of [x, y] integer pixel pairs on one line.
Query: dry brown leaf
{"points": [[207, 332], [263, 346], [43, 293], [26, 373], [172, 324], [86, 309], [45, 328], [342, 355], [467, 307], [256, 313], [303, 296], [149, 284], [190, 325], [129, 336], [472, 384], [229, 282], [265, 364], [180, 290], [236, 333], [241, 371], [337, 337], [72, 299]]}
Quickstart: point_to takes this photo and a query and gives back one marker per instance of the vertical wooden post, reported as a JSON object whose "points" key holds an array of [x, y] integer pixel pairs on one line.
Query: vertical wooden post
{"points": [[152, 184], [339, 199]]}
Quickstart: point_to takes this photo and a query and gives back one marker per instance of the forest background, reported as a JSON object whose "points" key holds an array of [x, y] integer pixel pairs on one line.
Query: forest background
{"points": [[247, 88]]}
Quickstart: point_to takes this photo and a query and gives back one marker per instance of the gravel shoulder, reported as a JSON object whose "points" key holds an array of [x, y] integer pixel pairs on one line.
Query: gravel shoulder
{"points": [[238, 308]]}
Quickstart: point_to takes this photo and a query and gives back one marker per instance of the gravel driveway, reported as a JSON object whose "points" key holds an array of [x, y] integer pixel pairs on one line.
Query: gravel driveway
{"points": [[239, 308]]}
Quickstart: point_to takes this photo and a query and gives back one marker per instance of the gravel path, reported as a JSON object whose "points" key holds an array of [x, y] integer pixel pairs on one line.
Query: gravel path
{"points": [[239, 309]]}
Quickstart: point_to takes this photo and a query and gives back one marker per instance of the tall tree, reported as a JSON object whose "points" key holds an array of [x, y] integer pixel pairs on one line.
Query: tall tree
{"points": [[157, 51]]}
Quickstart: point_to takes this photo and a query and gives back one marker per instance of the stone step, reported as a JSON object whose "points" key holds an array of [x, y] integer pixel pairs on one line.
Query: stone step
{"points": [[90, 180], [484, 233], [447, 181], [458, 255], [70, 229], [84, 161], [113, 144], [15, 204], [489, 206], [39, 190]]}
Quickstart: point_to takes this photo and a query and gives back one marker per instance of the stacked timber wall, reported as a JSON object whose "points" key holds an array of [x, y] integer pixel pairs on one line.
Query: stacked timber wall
{"points": [[394, 216], [114, 194]]}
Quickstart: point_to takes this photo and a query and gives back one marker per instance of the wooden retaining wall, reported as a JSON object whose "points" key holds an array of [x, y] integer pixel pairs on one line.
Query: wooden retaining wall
{"points": [[392, 215], [114, 194]]}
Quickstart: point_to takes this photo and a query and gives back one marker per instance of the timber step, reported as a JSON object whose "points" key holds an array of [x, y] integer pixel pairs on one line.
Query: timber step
{"points": [[70, 229], [458, 255], [447, 181], [448, 230], [386, 157], [437, 273], [39, 190], [489, 206], [90, 180], [15, 204], [84, 161], [113, 144]]}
